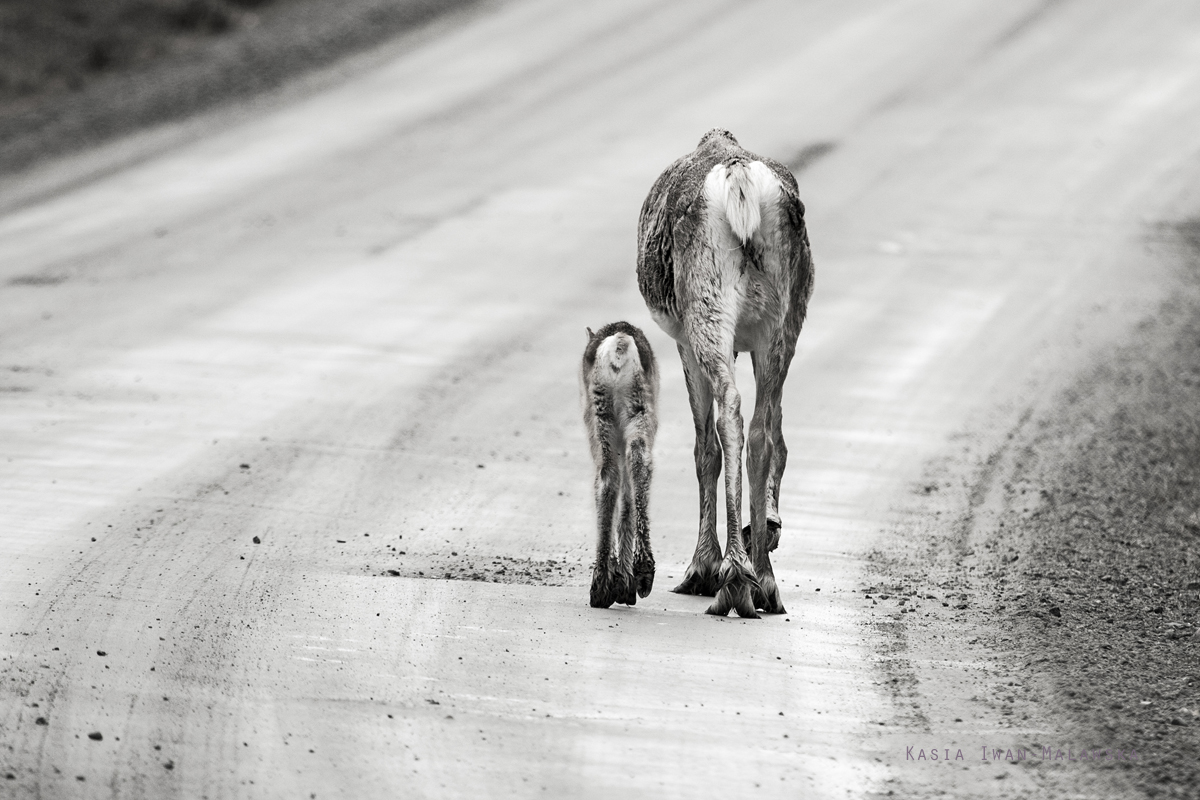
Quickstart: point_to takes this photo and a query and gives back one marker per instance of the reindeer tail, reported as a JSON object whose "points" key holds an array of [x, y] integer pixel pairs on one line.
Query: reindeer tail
{"points": [[740, 189], [743, 198]]}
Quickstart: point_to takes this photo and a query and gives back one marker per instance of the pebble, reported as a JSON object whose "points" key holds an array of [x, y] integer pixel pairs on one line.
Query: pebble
{"points": [[96, 736]]}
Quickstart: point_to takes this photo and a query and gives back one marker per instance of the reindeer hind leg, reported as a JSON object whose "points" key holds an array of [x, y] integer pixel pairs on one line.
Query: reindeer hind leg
{"points": [[702, 575], [736, 579], [766, 467], [778, 463]]}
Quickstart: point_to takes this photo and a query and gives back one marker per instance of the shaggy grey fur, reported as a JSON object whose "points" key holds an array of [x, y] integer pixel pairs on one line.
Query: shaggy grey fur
{"points": [[620, 411], [713, 312]]}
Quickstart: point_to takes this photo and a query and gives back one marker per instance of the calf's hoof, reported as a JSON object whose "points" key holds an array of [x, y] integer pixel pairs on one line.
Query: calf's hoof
{"points": [[643, 571], [628, 593], [603, 592]]}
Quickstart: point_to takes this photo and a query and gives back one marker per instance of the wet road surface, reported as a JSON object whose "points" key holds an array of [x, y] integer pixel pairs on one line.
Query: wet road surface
{"points": [[347, 322]]}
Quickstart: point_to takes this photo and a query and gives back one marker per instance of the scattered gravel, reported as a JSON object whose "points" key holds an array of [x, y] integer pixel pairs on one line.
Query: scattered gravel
{"points": [[492, 569]]}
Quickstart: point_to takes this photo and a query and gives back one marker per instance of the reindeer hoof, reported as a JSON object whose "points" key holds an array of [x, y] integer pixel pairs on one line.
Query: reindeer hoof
{"points": [[736, 593], [645, 583], [766, 596], [643, 571], [629, 593], [603, 592], [773, 530], [730, 599], [702, 577]]}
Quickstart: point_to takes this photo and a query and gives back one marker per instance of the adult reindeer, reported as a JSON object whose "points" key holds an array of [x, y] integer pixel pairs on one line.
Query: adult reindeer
{"points": [[725, 267]]}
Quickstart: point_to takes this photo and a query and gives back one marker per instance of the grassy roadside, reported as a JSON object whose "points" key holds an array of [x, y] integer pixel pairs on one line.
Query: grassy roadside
{"points": [[1046, 589], [1104, 594], [75, 73]]}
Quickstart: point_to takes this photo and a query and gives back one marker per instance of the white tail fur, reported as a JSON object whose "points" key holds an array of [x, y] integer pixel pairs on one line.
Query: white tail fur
{"points": [[619, 354], [742, 202], [740, 189]]}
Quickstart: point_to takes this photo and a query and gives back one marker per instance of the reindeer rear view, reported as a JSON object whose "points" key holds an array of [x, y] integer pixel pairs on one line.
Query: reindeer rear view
{"points": [[724, 267], [619, 389]]}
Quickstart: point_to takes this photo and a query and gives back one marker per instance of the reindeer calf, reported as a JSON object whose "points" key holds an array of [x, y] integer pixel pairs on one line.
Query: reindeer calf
{"points": [[619, 388]]}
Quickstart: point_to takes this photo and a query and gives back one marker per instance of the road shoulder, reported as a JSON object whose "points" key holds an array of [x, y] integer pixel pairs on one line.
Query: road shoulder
{"points": [[184, 70], [1059, 586]]}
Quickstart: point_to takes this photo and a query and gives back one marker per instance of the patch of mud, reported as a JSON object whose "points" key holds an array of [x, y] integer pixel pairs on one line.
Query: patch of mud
{"points": [[490, 569]]}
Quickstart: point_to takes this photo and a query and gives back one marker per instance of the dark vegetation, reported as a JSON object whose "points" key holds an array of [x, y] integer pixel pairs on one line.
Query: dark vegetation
{"points": [[58, 45], [1106, 603], [78, 72], [1069, 567]]}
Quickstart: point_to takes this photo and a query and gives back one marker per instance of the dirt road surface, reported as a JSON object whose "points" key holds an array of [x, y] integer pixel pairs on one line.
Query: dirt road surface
{"points": [[253, 365]]}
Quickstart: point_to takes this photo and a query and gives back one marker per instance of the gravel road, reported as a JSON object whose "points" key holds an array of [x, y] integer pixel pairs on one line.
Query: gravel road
{"points": [[294, 493]]}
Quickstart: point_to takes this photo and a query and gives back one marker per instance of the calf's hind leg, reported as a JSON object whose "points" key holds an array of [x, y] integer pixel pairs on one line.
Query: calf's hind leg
{"points": [[624, 584], [638, 461], [604, 573]]}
